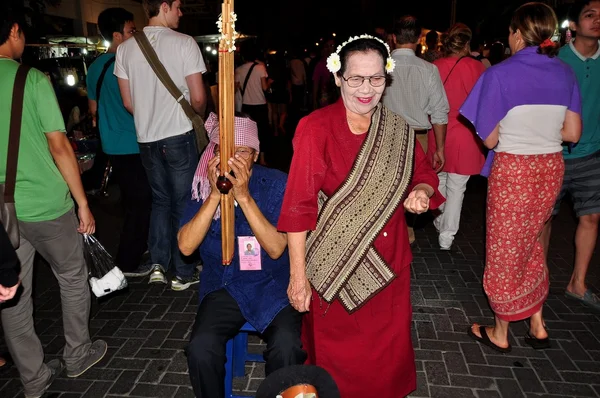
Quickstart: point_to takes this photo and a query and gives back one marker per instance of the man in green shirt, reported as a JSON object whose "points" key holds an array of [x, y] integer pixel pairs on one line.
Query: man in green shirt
{"points": [[47, 176], [582, 162]]}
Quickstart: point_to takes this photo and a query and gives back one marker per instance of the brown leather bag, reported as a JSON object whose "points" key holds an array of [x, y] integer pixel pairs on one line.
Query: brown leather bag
{"points": [[8, 213], [163, 76]]}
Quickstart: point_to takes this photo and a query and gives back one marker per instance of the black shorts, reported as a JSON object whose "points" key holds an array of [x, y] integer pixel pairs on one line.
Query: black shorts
{"points": [[582, 183]]}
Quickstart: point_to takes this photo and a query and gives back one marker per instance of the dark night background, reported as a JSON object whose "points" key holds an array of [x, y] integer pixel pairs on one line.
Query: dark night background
{"points": [[281, 23]]}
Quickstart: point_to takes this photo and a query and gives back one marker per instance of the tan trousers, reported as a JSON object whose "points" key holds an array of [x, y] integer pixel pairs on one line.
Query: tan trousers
{"points": [[422, 138]]}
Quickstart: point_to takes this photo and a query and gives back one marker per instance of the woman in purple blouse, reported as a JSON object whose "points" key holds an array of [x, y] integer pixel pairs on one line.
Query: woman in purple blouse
{"points": [[522, 109]]}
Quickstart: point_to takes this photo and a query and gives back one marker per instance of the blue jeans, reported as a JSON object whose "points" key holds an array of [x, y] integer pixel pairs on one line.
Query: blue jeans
{"points": [[170, 165]]}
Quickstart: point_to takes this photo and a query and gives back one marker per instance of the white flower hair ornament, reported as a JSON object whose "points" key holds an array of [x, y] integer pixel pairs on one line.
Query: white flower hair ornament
{"points": [[334, 63]]}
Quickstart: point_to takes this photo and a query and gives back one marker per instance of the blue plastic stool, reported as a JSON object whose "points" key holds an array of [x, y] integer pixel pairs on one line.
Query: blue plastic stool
{"points": [[237, 356]]}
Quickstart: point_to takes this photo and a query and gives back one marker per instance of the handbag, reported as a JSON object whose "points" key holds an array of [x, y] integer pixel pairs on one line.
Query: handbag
{"points": [[163, 76], [8, 212]]}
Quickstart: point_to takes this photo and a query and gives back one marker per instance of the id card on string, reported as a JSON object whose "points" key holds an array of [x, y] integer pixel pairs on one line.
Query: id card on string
{"points": [[249, 252]]}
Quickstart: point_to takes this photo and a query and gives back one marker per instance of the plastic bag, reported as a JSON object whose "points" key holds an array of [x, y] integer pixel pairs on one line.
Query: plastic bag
{"points": [[105, 276]]}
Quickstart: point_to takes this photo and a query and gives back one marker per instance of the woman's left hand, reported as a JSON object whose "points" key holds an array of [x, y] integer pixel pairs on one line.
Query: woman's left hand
{"points": [[417, 201], [241, 168]]}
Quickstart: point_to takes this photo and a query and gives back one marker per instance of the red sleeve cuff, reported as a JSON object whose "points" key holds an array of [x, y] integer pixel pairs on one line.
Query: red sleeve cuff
{"points": [[296, 223], [436, 200]]}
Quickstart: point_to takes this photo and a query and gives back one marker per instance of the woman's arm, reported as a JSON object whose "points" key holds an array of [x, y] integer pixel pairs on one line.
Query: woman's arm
{"points": [[299, 291], [492, 140], [571, 131]]}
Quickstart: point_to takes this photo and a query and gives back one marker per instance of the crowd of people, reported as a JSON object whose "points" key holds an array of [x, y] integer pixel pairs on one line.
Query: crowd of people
{"points": [[322, 260]]}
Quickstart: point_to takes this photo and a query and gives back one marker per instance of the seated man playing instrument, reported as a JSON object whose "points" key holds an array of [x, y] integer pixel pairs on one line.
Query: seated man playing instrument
{"points": [[253, 288]]}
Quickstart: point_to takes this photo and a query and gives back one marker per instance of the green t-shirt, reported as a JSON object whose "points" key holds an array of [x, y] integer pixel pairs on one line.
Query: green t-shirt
{"points": [[587, 71], [41, 192]]}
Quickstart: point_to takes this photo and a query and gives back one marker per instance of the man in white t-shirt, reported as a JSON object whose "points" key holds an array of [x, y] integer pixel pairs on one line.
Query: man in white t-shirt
{"points": [[299, 82], [165, 135], [254, 103]]}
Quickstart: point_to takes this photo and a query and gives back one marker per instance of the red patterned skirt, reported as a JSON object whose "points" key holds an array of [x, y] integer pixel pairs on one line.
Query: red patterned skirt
{"points": [[522, 190]]}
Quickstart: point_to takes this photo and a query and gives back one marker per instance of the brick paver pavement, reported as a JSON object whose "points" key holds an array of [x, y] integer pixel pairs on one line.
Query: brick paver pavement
{"points": [[147, 327]]}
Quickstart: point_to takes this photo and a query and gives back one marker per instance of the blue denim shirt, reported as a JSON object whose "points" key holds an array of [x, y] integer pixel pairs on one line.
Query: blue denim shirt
{"points": [[260, 294]]}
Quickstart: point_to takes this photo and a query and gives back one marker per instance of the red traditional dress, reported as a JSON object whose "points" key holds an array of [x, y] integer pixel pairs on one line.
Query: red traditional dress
{"points": [[369, 352], [463, 150]]}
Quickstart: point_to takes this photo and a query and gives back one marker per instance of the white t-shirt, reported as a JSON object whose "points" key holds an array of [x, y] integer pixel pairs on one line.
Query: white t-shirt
{"points": [[254, 94], [298, 73], [156, 113], [532, 130]]}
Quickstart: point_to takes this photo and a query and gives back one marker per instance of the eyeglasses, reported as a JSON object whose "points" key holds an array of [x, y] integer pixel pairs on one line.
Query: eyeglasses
{"points": [[132, 31], [357, 81], [245, 153]]}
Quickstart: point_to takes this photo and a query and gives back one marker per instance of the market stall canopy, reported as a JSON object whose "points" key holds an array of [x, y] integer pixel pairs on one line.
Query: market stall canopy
{"points": [[75, 40], [89, 43]]}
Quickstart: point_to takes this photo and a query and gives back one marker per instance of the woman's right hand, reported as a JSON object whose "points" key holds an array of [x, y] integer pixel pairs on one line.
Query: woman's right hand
{"points": [[299, 293]]}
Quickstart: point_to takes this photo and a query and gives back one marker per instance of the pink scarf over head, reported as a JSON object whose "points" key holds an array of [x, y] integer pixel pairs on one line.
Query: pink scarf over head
{"points": [[246, 134]]}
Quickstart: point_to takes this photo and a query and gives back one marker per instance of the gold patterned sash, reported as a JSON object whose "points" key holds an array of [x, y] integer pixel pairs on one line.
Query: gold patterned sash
{"points": [[341, 260]]}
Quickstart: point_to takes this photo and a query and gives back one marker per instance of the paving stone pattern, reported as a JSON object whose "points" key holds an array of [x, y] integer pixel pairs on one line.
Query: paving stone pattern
{"points": [[147, 327]]}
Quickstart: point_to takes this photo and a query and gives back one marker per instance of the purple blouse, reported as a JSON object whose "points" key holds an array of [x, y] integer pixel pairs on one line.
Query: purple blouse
{"points": [[526, 78]]}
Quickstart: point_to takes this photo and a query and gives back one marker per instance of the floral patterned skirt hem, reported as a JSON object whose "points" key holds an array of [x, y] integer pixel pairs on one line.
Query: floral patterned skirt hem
{"points": [[522, 190]]}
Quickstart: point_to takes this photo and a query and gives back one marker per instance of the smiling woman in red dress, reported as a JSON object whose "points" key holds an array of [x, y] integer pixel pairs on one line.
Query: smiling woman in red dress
{"points": [[355, 164]]}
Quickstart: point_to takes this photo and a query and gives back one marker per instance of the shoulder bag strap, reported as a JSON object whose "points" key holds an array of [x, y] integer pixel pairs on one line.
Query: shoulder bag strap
{"points": [[101, 78], [161, 72], [449, 73], [99, 86], [243, 90], [163, 76], [14, 137]]}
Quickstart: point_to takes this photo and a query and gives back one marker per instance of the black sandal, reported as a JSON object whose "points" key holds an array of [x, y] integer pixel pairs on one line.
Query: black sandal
{"points": [[485, 340], [537, 344]]}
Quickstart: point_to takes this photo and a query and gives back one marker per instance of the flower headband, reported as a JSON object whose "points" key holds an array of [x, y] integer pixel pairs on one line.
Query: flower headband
{"points": [[334, 64]]}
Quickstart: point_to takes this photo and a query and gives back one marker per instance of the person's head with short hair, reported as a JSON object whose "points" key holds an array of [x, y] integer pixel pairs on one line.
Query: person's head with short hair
{"points": [[249, 52], [584, 19], [12, 34], [431, 39], [477, 44], [327, 48], [166, 12], [407, 30], [496, 53], [533, 25], [380, 32], [457, 41], [116, 25]]}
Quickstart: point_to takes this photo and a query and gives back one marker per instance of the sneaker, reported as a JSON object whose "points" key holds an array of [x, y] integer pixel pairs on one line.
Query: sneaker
{"points": [[142, 270], [181, 283], [56, 367], [445, 244], [95, 355], [157, 275]]}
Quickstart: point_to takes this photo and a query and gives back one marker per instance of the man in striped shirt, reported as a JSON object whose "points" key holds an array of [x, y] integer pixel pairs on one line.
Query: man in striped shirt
{"points": [[417, 92]]}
